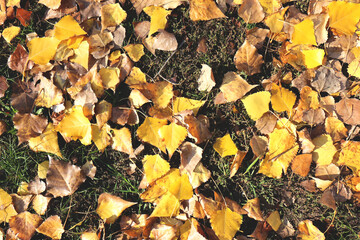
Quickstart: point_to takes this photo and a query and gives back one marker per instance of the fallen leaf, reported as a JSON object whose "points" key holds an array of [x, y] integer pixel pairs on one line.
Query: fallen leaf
{"points": [[257, 36], [328, 80], [148, 132], [141, 29], [24, 224], [172, 136], [122, 141], [23, 16], [42, 169], [344, 16], [168, 206], [324, 150], [198, 128], [110, 207], [247, 59], [348, 110], [112, 15], [274, 220], [53, 4], [157, 18], [67, 27], [3, 86], [266, 123], [40, 204], [90, 236], [259, 145], [225, 146], [36, 186], [63, 178], [327, 199], [308, 231], [282, 99], [304, 33], [51, 227], [251, 11], [236, 162], [275, 21], [49, 95], [10, 33], [136, 76], [19, 59], [206, 80], [75, 126], [101, 136], [154, 167], [301, 164], [204, 10], [348, 156], [257, 104], [181, 104], [226, 223], [29, 126], [110, 77], [135, 51], [163, 41], [234, 87], [190, 155], [42, 50], [252, 206]]}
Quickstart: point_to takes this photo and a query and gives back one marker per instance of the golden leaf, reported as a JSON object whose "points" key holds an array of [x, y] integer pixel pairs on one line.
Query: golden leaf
{"points": [[158, 18], [324, 150], [304, 33], [75, 126], [271, 6], [149, 132], [225, 146], [154, 167], [308, 231], [110, 207], [112, 15], [257, 104], [282, 99], [24, 224], [110, 77], [349, 156], [100, 136], [344, 16], [42, 50], [136, 76], [46, 142], [168, 206], [135, 51], [10, 32], [67, 27], [204, 10], [226, 223], [275, 21], [182, 104], [82, 55], [52, 227], [122, 141], [40, 204], [172, 136]]}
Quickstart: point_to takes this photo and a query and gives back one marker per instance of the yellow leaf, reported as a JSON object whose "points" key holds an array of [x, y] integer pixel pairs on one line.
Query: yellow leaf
{"points": [[324, 150], [349, 156], [137, 99], [159, 92], [10, 32], [270, 6], [257, 104], [75, 126], [110, 77], [135, 51], [181, 104], [67, 27], [89, 236], [335, 128], [42, 50], [354, 68], [181, 188], [52, 227], [5, 199], [103, 112], [282, 99], [46, 142], [122, 141], [158, 18], [100, 136], [115, 55], [82, 55], [7, 213], [225, 146], [13, 3], [304, 33], [49, 95], [112, 15], [40, 204], [204, 10], [225, 223], [149, 132], [199, 175], [344, 16], [172, 136], [168, 206], [154, 167], [110, 207], [307, 231], [42, 169], [274, 220], [275, 21], [136, 76], [313, 58], [282, 150]]}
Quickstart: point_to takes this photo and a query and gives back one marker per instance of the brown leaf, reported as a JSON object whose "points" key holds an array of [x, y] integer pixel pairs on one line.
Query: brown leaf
{"points": [[306, 143], [313, 116], [309, 185], [247, 59], [348, 110], [24, 224], [23, 16], [18, 59], [256, 36], [198, 128], [202, 48], [286, 229], [49, 95], [3, 86], [327, 199], [320, 21], [103, 111], [261, 231], [21, 203], [124, 115], [23, 96], [301, 164], [29, 126], [259, 145], [341, 192], [119, 35], [251, 11], [190, 156], [327, 172], [253, 208], [125, 66], [236, 162], [141, 29], [66, 8], [338, 47], [327, 80], [266, 123], [63, 178], [3, 127]]}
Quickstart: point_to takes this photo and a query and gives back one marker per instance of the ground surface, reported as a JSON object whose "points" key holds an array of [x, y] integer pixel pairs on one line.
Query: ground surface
{"points": [[223, 38]]}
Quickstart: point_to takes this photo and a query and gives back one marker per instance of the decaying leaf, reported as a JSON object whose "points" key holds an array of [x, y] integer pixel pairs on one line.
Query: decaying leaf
{"points": [[29, 126], [251, 11], [247, 59], [309, 231], [24, 224], [51, 227]]}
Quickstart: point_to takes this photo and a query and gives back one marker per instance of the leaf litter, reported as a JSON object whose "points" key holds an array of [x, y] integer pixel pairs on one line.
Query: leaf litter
{"points": [[300, 120]]}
